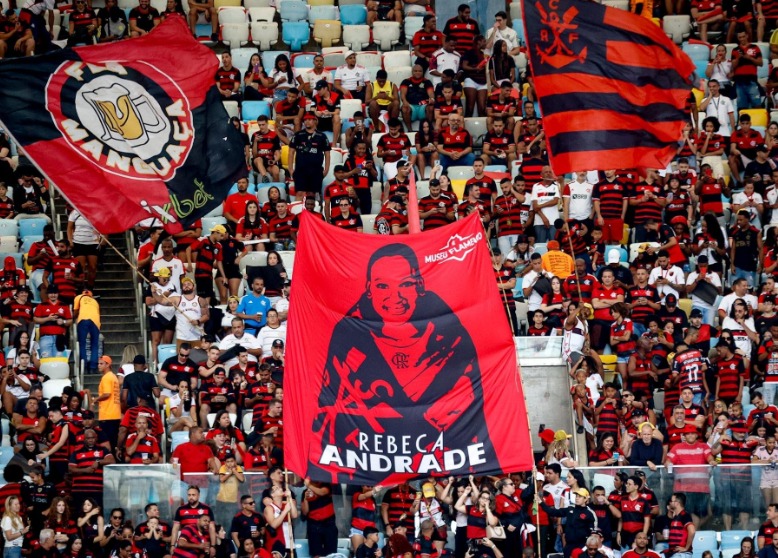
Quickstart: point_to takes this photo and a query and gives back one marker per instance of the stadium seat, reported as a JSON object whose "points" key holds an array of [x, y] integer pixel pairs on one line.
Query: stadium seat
{"points": [[327, 32], [264, 35], [732, 539], [293, 10], [32, 227], [697, 51], [353, 15], [518, 26], [731, 552], [262, 14], [9, 244], [10, 227], [396, 74], [165, 351], [705, 540], [342, 3], [301, 548], [608, 365], [269, 58], [302, 60], [386, 34], [54, 388], [412, 24], [318, 12], [334, 57], [252, 259], [348, 107], [396, 58], [685, 304], [540, 247], [242, 56], [422, 188], [458, 187], [477, 129], [232, 15], [356, 37], [295, 34], [6, 454], [56, 368], [677, 27], [178, 438], [28, 242], [515, 10], [248, 4], [251, 110], [368, 223], [463, 172], [17, 256], [758, 116], [226, 3], [369, 58], [235, 34]]}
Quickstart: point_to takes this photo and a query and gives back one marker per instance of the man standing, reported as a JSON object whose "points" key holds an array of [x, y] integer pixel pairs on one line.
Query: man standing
{"points": [[86, 469], [88, 326], [682, 527], [309, 151], [209, 256], [139, 384], [248, 523], [694, 481], [191, 312], [54, 319], [194, 456], [610, 206], [462, 28], [507, 210], [720, 107], [746, 58], [108, 401], [545, 204], [577, 200], [745, 246]]}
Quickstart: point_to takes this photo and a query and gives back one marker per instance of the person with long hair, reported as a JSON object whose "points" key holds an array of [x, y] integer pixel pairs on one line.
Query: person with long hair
{"points": [[743, 329], [76, 548], [233, 437], [58, 520], [13, 527], [771, 140], [269, 207], [361, 170], [91, 525], [767, 455], [711, 241], [86, 242], [363, 513], [255, 80], [281, 78], [501, 65], [426, 152], [603, 454], [746, 548], [474, 66], [510, 510], [274, 285], [252, 227], [622, 338], [555, 304], [23, 341]]}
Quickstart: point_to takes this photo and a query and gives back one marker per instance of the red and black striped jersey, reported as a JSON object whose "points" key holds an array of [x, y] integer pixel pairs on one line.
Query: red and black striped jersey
{"points": [[147, 447], [689, 367], [6, 208], [268, 422], [635, 292], [352, 221], [45, 310], [633, 513], [531, 169], [65, 270], [393, 146], [81, 20], [487, 186], [399, 501], [361, 180], [281, 226], [503, 275], [88, 457], [15, 311], [647, 208], [455, 141], [640, 384], [62, 455], [710, 196], [363, 512], [331, 104], [208, 253], [37, 248], [498, 106], [587, 283], [337, 191], [447, 108], [503, 141], [320, 508], [729, 374], [153, 418], [226, 79], [507, 211], [611, 195], [677, 204], [192, 535], [428, 42], [437, 219], [608, 420], [265, 394], [188, 514], [463, 31], [466, 208], [395, 183], [265, 145]]}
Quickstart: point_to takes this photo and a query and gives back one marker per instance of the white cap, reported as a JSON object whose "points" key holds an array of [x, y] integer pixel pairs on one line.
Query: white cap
{"points": [[614, 256], [349, 53]]}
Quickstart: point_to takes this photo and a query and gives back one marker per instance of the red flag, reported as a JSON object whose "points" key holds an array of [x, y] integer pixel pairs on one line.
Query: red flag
{"points": [[613, 88], [127, 130], [414, 224], [401, 379]]}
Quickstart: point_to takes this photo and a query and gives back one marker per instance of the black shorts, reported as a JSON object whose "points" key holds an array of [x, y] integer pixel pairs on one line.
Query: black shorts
{"points": [[232, 271], [204, 287], [307, 182], [325, 124], [158, 323], [84, 250]]}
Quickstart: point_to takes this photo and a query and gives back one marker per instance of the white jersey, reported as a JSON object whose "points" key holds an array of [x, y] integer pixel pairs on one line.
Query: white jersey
{"points": [[176, 267], [267, 335], [158, 310], [573, 340], [351, 78], [580, 195], [188, 310], [543, 193]]}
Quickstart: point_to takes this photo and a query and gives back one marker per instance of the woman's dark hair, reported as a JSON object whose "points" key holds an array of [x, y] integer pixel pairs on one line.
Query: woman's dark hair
{"points": [[250, 69], [280, 261], [579, 477], [229, 430], [737, 302], [714, 120], [422, 137], [714, 229], [501, 61], [289, 71], [247, 222], [604, 436]]}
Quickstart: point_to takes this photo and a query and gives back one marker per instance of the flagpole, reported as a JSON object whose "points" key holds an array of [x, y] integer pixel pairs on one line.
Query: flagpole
{"points": [[414, 223], [526, 403], [292, 548]]}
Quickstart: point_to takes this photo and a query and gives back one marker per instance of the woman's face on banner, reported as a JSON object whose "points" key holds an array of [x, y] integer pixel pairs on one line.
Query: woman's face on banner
{"points": [[393, 289]]}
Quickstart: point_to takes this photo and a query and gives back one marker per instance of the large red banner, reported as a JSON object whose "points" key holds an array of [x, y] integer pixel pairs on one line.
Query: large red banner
{"points": [[400, 361]]}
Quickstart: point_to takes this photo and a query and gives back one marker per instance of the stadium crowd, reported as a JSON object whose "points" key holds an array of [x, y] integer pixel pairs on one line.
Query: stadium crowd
{"points": [[661, 283]]}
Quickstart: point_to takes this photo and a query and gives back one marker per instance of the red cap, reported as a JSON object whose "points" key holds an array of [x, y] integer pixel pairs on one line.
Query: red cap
{"points": [[309, 116], [547, 435]]}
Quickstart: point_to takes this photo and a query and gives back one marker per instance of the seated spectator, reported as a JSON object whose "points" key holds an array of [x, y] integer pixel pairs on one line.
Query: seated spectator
{"points": [[144, 18], [206, 7], [351, 80]]}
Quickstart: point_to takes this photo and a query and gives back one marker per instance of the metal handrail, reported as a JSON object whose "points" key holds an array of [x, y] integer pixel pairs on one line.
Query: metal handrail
{"points": [[140, 307]]}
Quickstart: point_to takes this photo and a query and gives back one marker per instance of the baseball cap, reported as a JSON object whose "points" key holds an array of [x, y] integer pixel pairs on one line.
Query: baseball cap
{"points": [[309, 116], [581, 492], [162, 272], [690, 429], [614, 256], [428, 490], [560, 435], [321, 84], [187, 279], [219, 229], [547, 435], [339, 168], [643, 247], [762, 147], [106, 359], [278, 343], [402, 163], [671, 299], [679, 219], [434, 182], [522, 239], [552, 245], [219, 372], [139, 359], [349, 53], [695, 313]]}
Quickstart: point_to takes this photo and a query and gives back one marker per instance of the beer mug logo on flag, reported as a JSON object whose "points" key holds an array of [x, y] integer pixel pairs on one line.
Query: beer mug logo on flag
{"points": [[127, 118]]}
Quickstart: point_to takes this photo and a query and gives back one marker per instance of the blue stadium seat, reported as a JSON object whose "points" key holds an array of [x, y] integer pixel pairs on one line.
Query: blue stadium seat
{"points": [[9, 227], [31, 227], [28, 242], [203, 30], [303, 60], [541, 248], [705, 540], [234, 190], [178, 438], [322, 12], [293, 10], [269, 58], [164, 352], [697, 51], [353, 15], [251, 110], [518, 26], [732, 539], [296, 34]]}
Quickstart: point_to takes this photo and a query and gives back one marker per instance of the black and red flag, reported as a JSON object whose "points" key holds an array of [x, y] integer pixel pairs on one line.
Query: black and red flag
{"points": [[127, 130], [395, 376], [612, 86]]}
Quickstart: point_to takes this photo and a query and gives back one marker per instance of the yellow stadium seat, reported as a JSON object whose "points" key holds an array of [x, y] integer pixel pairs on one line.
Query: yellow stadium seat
{"points": [[458, 187], [327, 32], [625, 236], [758, 116], [321, 2], [657, 21], [226, 3], [608, 366], [524, 90], [685, 304], [699, 95], [285, 156]]}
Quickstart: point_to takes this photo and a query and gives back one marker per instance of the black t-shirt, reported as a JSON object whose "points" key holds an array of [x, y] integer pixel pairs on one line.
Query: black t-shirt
{"points": [[144, 21], [138, 384], [365, 551], [243, 524], [309, 151]]}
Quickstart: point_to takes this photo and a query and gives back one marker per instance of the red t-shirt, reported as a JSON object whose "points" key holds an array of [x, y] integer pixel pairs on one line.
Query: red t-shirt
{"points": [[193, 458]]}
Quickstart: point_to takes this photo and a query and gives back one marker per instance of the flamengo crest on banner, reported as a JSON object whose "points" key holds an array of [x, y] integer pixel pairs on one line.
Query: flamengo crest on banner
{"points": [[558, 54], [111, 115]]}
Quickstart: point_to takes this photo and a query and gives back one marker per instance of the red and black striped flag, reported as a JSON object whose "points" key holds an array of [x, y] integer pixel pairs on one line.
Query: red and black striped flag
{"points": [[127, 130], [612, 86]]}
